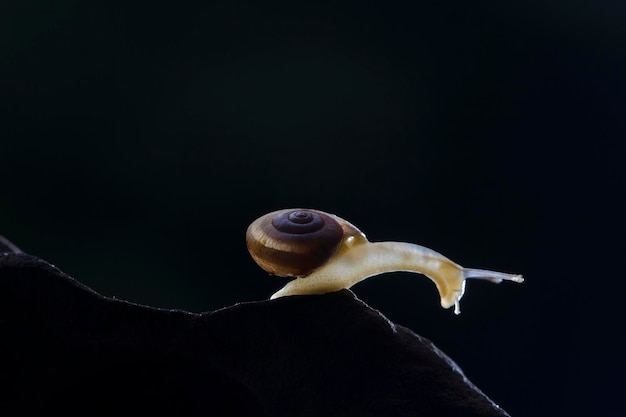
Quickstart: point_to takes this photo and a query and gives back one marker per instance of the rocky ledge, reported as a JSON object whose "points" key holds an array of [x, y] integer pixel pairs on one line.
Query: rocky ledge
{"points": [[67, 350]]}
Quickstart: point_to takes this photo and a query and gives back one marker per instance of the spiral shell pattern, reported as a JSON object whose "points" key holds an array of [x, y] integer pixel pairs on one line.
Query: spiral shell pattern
{"points": [[293, 242]]}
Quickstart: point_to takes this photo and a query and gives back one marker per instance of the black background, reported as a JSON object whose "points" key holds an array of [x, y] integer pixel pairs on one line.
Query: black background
{"points": [[139, 139]]}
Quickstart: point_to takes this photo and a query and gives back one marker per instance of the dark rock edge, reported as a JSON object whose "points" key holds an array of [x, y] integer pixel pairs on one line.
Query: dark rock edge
{"points": [[67, 349]]}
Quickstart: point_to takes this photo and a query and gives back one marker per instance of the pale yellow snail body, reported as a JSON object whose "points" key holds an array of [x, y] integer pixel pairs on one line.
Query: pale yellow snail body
{"points": [[326, 253]]}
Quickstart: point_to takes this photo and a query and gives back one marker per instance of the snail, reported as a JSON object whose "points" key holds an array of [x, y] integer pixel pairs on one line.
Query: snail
{"points": [[326, 253]]}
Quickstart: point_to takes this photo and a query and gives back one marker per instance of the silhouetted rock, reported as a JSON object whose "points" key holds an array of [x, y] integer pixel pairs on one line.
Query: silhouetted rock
{"points": [[67, 350]]}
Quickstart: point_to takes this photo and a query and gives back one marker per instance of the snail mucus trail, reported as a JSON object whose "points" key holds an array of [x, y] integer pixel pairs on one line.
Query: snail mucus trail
{"points": [[326, 253]]}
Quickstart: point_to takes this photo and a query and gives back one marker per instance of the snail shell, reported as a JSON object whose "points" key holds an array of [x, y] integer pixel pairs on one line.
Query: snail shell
{"points": [[294, 242]]}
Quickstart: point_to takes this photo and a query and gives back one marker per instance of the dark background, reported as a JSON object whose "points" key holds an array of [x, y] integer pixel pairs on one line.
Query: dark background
{"points": [[139, 139]]}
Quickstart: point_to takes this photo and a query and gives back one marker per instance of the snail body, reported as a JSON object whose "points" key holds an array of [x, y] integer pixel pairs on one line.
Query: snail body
{"points": [[327, 253]]}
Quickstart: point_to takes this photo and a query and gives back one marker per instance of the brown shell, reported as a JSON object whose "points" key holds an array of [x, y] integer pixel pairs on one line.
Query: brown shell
{"points": [[293, 242]]}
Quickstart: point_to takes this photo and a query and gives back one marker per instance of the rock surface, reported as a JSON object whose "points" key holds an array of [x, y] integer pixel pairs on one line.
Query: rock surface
{"points": [[67, 350]]}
